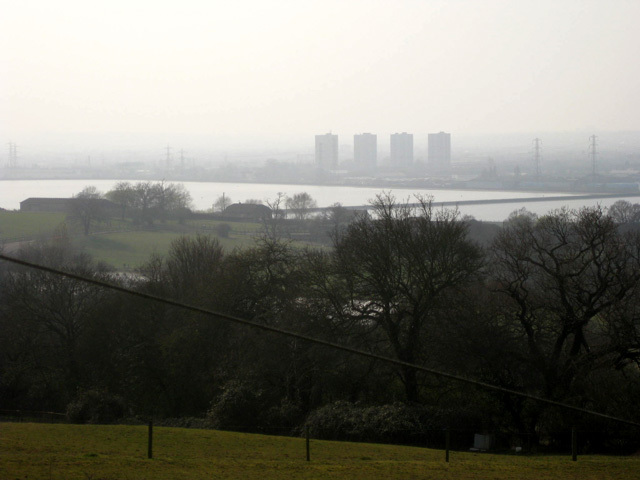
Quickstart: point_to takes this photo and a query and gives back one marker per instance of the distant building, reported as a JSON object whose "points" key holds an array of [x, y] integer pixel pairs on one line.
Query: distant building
{"points": [[440, 151], [401, 153], [365, 150], [247, 211], [61, 205], [33, 204], [327, 151]]}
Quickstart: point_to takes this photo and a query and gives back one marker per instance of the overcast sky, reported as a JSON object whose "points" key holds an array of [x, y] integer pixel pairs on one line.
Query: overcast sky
{"points": [[290, 69]]}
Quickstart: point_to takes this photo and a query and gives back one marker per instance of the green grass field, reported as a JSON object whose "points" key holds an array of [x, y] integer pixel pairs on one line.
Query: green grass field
{"points": [[69, 452], [28, 224], [123, 250], [212, 224], [129, 250]]}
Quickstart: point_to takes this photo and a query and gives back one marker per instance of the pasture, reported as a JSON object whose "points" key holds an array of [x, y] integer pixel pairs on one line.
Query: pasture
{"points": [[118, 243], [82, 452], [16, 225], [129, 250]]}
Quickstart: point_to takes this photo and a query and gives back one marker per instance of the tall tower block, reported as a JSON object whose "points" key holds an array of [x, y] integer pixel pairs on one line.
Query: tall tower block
{"points": [[365, 150], [440, 151], [327, 151], [401, 149]]}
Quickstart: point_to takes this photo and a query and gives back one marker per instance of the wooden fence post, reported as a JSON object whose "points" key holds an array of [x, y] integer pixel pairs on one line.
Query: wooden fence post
{"points": [[150, 444], [447, 442]]}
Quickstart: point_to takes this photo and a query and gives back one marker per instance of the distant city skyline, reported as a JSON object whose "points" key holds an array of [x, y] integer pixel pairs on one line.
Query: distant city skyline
{"points": [[251, 74], [204, 149]]}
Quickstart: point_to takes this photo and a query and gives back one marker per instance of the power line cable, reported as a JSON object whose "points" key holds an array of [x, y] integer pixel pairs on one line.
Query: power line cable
{"points": [[317, 341]]}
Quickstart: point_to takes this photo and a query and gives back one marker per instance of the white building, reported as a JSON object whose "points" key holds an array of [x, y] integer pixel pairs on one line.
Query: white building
{"points": [[327, 151], [401, 153], [365, 150], [440, 151]]}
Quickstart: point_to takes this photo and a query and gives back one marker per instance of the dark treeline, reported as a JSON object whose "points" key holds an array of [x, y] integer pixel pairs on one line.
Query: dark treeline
{"points": [[550, 306]]}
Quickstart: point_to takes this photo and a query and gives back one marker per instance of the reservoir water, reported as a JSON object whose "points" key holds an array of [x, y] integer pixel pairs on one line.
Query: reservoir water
{"points": [[204, 194]]}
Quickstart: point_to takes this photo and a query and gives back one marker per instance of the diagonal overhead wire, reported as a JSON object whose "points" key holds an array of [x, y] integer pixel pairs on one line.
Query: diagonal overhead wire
{"points": [[317, 341]]}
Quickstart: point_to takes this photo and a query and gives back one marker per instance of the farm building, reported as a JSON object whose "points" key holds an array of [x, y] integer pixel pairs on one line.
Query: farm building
{"points": [[35, 204], [247, 211], [41, 204]]}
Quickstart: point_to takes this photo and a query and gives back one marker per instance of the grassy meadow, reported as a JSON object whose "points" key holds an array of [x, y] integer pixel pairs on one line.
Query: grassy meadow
{"points": [[124, 247], [14, 225], [69, 452], [129, 250]]}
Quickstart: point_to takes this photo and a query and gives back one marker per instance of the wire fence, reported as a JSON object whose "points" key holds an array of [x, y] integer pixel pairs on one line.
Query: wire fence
{"points": [[569, 442], [30, 416]]}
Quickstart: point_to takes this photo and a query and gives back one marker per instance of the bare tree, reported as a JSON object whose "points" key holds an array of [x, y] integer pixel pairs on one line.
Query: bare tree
{"points": [[144, 202], [623, 211], [221, 203], [151, 201], [392, 270], [55, 309], [87, 208], [563, 281], [123, 194], [273, 226], [300, 204], [170, 198], [192, 265], [338, 216]]}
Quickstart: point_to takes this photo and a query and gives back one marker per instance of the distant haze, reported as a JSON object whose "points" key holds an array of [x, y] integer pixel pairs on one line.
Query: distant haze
{"points": [[226, 74]]}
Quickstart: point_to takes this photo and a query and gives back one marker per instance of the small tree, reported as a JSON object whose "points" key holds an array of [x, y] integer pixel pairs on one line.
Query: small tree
{"points": [[338, 216], [273, 226], [623, 211], [123, 194], [223, 230], [145, 202], [221, 203], [300, 204], [153, 201], [170, 198], [87, 208]]}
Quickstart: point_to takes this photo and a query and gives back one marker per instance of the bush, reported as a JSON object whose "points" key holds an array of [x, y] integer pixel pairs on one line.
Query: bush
{"points": [[392, 423], [183, 422], [96, 406], [238, 407], [336, 421], [395, 423], [223, 230], [282, 418]]}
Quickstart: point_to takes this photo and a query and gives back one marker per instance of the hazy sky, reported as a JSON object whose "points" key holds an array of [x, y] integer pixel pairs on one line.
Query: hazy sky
{"points": [[291, 69]]}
